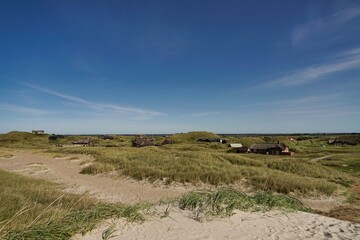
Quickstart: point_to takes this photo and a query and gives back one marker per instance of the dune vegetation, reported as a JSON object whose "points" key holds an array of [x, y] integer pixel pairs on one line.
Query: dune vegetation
{"points": [[37, 209], [33, 209]]}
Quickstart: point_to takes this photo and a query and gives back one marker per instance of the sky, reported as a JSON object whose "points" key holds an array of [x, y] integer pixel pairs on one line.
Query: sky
{"points": [[225, 66]]}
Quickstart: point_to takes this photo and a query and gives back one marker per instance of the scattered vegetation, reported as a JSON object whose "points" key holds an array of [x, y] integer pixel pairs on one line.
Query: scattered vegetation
{"points": [[38, 209], [97, 168], [223, 202], [215, 166]]}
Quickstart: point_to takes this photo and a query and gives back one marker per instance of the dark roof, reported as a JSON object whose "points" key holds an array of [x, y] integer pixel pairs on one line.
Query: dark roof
{"points": [[209, 140], [343, 141], [142, 142], [264, 146], [54, 137]]}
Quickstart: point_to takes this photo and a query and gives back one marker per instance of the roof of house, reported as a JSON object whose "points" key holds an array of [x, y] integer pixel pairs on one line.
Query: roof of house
{"points": [[236, 145], [264, 146], [142, 142]]}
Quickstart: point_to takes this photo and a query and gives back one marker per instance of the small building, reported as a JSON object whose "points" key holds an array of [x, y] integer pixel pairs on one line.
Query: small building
{"points": [[340, 142], [270, 148], [142, 142], [38, 132], [238, 148], [220, 140], [241, 149], [56, 137], [235, 145]]}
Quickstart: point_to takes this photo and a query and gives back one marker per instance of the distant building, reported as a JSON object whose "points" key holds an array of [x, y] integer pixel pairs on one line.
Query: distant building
{"points": [[38, 132], [235, 145], [270, 148], [339, 142], [220, 140], [142, 142]]}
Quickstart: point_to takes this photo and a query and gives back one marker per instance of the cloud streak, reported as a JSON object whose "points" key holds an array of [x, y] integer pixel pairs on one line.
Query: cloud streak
{"points": [[25, 110], [298, 101], [345, 61], [322, 25], [97, 106], [201, 114]]}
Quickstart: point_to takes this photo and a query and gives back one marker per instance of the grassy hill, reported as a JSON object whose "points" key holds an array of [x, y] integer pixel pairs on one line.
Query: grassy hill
{"points": [[192, 136]]}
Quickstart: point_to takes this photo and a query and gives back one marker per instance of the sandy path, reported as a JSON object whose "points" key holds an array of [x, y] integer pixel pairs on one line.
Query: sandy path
{"points": [[242, 225], [66, 171], [322, 158]]}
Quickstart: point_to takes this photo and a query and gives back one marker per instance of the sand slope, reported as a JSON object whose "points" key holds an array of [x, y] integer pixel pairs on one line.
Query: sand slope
{"points": [[242, 225], [66, 171]]}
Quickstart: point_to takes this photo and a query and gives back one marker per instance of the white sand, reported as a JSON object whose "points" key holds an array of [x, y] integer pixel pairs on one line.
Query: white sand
{"points": [[242, 225]]}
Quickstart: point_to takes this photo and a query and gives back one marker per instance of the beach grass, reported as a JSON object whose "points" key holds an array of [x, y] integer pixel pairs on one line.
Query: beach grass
{"points": [[207, 165], [37, 209], [223, 202], [189, 161]]}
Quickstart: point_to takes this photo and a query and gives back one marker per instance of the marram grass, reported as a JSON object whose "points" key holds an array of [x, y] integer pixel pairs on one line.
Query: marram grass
{"points": [[38, 209], [222, 203]]}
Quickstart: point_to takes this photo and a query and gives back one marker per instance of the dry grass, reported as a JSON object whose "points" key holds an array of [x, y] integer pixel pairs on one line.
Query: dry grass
{"points": [[203, 163], [38, 209]]}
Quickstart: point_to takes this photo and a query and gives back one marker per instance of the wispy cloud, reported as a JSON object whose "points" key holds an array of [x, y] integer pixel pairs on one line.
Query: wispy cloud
{"points": [[345, 61], [201, 114], [318, 26], [25, 110], [297, 101], [142, 113], [319, 112], [308, 107]]}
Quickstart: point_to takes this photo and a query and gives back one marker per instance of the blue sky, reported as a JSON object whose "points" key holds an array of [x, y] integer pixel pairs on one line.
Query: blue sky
{"points": [[177, 66]]}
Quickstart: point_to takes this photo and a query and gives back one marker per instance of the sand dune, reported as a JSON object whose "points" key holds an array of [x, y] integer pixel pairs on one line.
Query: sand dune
{"points": [[180, 225], [67, 172], [242, 225]]}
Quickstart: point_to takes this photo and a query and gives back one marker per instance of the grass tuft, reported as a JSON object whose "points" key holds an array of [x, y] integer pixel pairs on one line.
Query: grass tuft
{"points": [[38, 209], [223, 202]]}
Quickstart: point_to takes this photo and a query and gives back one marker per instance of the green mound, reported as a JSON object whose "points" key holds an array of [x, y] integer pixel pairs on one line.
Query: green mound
{"points": [[23, 139], [193, 136]]}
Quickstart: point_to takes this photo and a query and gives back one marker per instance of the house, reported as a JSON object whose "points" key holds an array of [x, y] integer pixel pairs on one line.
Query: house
{"points": [[212, 140], [339, 142], [238, 148], [241, 149], [270, 148], [38, 132], [142, 142], [235, 145], [55, 137]]}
